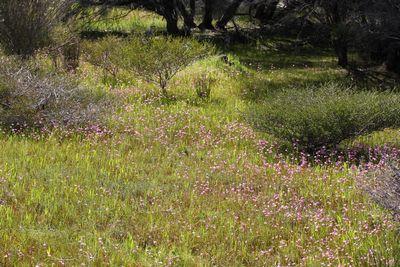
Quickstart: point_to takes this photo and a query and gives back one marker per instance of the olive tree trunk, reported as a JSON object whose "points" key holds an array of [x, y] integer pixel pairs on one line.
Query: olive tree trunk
{"points": [[206, 24], [229, 14]]}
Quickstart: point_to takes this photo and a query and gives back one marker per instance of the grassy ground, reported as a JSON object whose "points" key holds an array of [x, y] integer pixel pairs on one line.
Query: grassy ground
{"points": [[125, 21], [186, 182]]}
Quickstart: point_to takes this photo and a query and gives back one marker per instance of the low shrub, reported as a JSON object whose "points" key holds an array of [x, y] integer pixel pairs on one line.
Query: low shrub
{"points": [[30, 97], [67, 51], [105, 55], [158, 60], [383, 185], [323, 117], [203, 84]]}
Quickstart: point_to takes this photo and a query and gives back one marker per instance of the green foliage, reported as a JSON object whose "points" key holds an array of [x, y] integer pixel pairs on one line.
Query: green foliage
{"points": [[158, 60], [325, 116], [388, 137], [203, 84], [105, 54], [66, 48], [184, 186]]}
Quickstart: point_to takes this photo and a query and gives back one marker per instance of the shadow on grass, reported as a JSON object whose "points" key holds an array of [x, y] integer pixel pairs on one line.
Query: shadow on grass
{"points": [[256, 88], [95, 35], [283, 55], [270, 66]]}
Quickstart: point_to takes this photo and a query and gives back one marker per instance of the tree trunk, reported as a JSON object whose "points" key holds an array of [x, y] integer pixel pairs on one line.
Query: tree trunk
{"points": [[208, 16], [341, 50], [265, 12], [187, 17], [339, 30], [192, 8], [172, 25], [393, 58], [230, 12], [171, 17]]}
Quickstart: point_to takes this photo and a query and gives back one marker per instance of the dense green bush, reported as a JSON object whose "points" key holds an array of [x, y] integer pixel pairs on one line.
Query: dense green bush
{"points": [[32, 97], [325, 116]]}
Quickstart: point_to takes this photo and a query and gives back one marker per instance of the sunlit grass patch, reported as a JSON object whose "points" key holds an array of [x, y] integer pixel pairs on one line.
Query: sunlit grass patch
{"points": [[387, 137], [115, 203]]}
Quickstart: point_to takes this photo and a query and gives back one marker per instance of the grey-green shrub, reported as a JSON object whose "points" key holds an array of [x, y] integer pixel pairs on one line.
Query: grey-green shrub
{"points": [[383, 185], [31, 97], [325, 116]]}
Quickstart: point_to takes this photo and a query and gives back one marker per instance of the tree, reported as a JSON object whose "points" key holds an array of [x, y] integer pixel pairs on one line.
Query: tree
{"points": [[265, 10], [170, 10], [206, 24], [229, 14], [339, 16], [380, 33], [174, 10], [349, 19]]}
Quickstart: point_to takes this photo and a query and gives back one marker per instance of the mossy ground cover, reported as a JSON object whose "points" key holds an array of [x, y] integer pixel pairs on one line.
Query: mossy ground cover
{"points": [[182, 181]]}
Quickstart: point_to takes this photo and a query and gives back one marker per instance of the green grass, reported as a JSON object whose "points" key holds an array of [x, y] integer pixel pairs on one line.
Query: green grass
{"points": [[184, 182], [149, 198], [388, 137]]}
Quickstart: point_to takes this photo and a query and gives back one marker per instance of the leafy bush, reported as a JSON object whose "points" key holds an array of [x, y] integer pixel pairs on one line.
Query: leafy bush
{"points": [[27, 25], [67, 48], [31, 98], [317, 117], [158, 60], [104, 54]]}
